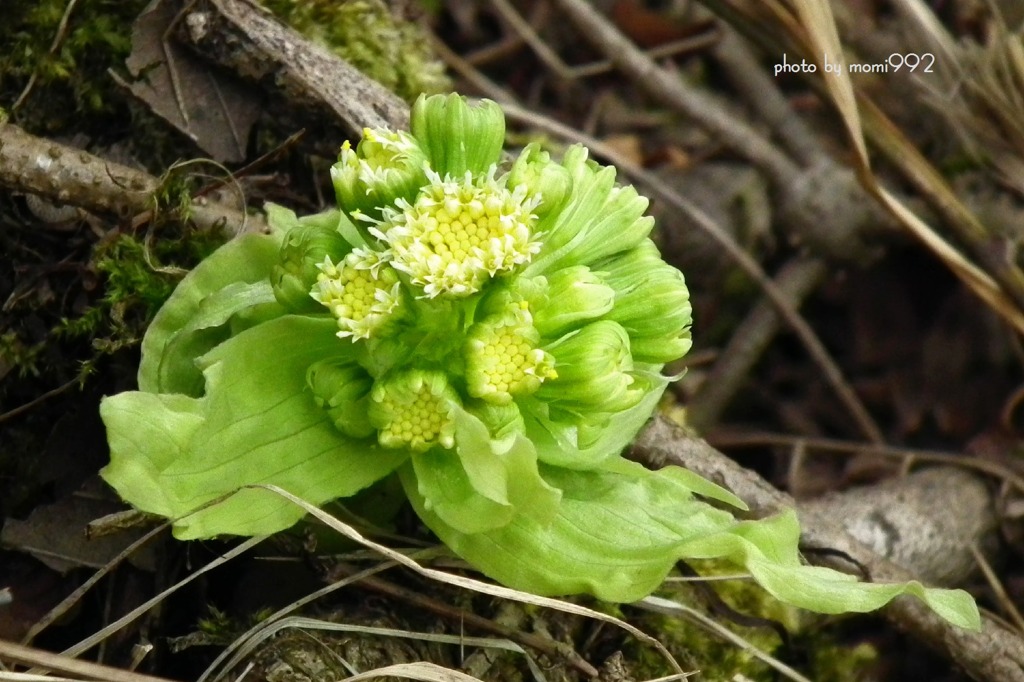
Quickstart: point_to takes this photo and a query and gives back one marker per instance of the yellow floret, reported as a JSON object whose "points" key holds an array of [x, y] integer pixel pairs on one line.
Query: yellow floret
{"points": [[382, 151]]}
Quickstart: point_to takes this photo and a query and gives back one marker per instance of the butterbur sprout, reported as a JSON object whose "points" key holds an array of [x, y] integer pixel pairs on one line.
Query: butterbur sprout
{"points": [[493, 334]]}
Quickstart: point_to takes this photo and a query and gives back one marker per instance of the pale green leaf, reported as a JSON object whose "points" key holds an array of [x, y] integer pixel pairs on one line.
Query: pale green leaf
{"points": [[486, 481], [615, 535], [280, 218], [259, 424], [441, 482], [695, 483], [220, 315], [147, 432], [619, 532], [767, 548], [246, 259]]}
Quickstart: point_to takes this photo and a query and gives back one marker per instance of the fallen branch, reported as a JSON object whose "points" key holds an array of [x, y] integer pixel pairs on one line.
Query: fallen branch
{"points": [[66, 175], [303, 76]]}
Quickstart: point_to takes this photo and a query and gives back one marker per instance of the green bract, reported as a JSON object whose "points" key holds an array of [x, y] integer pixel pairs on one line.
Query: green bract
{"points": [[495, 338]]}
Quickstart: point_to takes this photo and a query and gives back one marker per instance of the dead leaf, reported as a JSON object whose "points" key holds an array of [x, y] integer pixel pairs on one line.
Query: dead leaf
{"points": [[212, 107], [55, 534]]}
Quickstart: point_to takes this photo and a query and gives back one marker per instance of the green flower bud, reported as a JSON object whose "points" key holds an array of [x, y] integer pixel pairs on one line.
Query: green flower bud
{"points": [[458, 137], [414, 409], [651, 302], [385, 167], [343, 389], [502, 357], [542, 177], [362, 291], [303, 249], [595, 371], [574, 296], [597, 221], [513, 293]]}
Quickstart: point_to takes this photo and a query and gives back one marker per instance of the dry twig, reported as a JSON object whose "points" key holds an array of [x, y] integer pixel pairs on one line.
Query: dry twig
{"points": [[551, 648], [245, 38]]}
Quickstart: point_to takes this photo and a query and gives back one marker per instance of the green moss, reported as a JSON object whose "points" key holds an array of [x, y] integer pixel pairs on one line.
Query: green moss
{"points": [[833, 661], [139, 277], [220, 628], [140, 272], [365, 33], [72, 87], [19, 355]]}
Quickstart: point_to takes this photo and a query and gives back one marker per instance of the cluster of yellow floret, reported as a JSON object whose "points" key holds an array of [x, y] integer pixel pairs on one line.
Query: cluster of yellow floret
{"points": [[361, 291], [447, 243], [417, 420], [503, 359], [508, 362], [458, 233]]}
